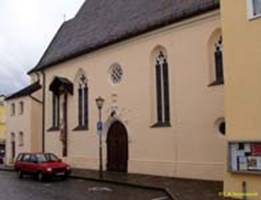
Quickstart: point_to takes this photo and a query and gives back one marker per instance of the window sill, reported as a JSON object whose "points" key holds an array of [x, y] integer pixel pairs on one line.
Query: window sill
{"points": [[81, 128], [52, 129], [248, 172], [216, 83], [161, 125], [254, 17]]}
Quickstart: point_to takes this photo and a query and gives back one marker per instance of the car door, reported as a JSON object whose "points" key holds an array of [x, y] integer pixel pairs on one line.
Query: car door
{"points": [[32, 166], [19, 161], [26, 163]]}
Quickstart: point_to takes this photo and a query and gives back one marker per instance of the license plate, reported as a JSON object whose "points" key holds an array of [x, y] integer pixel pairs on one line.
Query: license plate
{"points": [[60, 174]]}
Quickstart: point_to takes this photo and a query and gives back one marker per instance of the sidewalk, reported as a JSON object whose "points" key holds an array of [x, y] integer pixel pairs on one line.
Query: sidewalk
{"points": [[6, 168], [178, 189]]}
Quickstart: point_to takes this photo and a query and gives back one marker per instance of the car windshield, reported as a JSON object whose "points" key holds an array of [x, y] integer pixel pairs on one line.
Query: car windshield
{"points": [[51, 157], [47, 158], [41, 158]]}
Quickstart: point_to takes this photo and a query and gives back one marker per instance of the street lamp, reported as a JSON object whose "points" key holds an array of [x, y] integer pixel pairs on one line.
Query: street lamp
{"points": [[99, 103]]}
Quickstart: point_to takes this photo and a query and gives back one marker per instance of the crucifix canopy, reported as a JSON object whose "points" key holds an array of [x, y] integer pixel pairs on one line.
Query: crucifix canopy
{"points": [[61, 85]]}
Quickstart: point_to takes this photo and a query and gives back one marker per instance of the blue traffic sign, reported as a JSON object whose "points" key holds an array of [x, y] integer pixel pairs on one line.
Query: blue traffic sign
{"points": [[99, 126]]}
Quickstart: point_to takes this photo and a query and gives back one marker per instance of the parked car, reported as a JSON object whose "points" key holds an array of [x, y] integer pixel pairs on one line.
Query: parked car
{"points": [[41, 165]]}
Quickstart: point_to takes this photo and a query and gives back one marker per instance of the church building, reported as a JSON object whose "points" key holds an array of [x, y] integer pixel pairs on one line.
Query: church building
{"points": [[158, 66]]}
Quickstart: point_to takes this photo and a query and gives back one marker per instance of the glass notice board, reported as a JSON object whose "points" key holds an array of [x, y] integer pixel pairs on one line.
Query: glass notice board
{"points": [[245, 157]]}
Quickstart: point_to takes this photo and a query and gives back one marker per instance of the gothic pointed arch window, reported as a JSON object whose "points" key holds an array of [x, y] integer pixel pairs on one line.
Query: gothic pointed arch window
{"points": [[83, 105], [218, 55], [55, 110], [59, 87], [216, 58], [161, 68]]}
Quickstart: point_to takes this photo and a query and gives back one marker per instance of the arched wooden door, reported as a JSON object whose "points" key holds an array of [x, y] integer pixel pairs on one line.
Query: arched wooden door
{"points": [[117, 148]]}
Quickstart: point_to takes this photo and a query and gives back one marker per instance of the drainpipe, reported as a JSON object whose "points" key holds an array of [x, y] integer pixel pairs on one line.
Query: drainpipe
{"points": [[244, 190], [43, 112]]}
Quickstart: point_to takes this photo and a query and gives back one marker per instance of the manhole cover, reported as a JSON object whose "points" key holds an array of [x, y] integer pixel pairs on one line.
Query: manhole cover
{"points": [[99, 189]]}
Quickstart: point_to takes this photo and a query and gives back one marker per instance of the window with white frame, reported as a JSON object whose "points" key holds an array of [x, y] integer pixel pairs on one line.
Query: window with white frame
{"points": [[254, 8], [21, 139], [21, 107], [12, 109]]}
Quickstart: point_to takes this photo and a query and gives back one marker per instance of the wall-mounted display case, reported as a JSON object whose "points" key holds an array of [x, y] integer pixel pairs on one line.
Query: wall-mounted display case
{"points": [[244, 157]]}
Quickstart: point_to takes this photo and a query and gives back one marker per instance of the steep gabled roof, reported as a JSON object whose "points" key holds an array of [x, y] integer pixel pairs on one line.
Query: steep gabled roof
{"points": [[100, 23], [25, 91]]}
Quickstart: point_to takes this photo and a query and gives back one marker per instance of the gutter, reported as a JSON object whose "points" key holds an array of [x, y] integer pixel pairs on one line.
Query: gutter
{"points": [[43, 112]]}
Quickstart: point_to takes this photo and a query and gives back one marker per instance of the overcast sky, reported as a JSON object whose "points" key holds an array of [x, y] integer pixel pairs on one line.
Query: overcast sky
{"points": [[26, 28]]}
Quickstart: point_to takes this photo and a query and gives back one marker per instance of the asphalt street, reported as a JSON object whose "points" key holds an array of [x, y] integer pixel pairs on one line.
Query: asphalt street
{"points": [[12, 188]]}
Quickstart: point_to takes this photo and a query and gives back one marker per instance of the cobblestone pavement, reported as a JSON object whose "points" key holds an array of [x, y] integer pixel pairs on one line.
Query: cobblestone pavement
{"points": [[12, 188]]}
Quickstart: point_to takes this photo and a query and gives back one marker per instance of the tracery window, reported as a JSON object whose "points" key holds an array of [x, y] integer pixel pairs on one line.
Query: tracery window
{"points": [[83, 107], [162, 90], [21, 139], [218, 55], [216, 59], [116, 73], [56, 110]]}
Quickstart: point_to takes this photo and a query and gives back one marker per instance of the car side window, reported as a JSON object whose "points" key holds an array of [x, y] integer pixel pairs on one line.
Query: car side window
{"points": [[26, 158], [33, 159]]}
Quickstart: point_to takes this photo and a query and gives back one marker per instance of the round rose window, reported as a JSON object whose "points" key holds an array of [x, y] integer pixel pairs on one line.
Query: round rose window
{"points": [[116, 73]]}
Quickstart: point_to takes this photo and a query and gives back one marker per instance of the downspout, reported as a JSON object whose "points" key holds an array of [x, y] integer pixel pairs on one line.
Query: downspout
{"points": [[35, 99], [43, 112]]}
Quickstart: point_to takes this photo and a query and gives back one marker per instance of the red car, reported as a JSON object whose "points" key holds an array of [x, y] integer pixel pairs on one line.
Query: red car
{"points": [[41, 165]]}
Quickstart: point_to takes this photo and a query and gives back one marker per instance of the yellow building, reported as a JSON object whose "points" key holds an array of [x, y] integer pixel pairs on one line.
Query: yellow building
{"points": [[241, 25], [2, 124]]}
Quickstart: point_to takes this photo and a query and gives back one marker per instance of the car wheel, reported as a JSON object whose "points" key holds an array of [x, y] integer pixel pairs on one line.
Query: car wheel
{"points": [[40, 177], [20, 174], [64, 177]]}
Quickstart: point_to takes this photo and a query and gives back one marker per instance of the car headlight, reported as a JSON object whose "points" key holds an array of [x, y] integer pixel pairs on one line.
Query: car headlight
{"points": [[49, 169]]}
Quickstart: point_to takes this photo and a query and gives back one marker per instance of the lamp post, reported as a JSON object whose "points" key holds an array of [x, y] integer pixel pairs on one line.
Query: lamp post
{"points": [[99, 103]]}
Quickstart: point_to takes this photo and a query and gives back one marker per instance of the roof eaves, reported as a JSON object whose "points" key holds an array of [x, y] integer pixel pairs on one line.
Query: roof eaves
{"points": [[25, 91]]}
